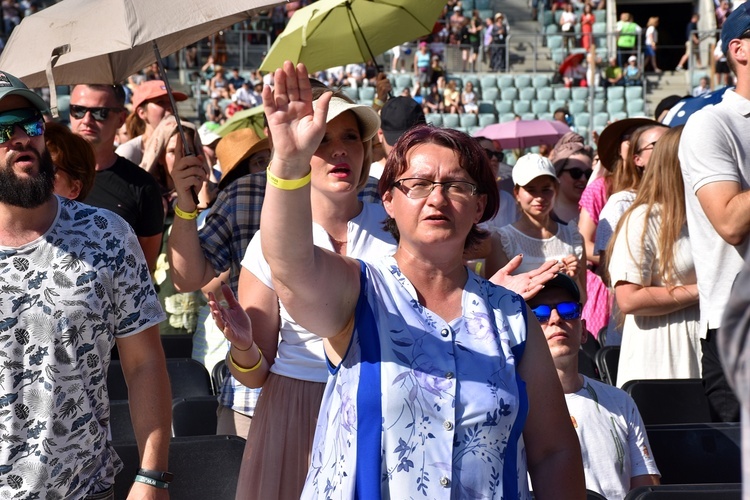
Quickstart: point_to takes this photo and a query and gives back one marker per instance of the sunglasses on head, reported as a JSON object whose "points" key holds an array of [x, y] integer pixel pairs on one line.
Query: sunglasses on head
{"points": [[29, 119], [99, 114], [576, 173], [566, 310]]}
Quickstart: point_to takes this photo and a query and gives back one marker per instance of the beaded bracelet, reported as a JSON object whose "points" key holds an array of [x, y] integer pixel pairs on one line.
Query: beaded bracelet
{"points": [[245, 370], [285, 184]]}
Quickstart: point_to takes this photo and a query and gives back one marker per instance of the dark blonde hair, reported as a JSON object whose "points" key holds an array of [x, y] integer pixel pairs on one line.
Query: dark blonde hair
{"points": [[72, 154], [662, 190], [626, 175]]}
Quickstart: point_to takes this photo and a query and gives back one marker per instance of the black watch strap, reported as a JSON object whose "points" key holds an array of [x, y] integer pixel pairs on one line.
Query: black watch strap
{"points": [[166, 477]]}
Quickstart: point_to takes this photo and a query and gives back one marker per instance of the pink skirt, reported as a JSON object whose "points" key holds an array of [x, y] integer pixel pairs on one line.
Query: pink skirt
{"points": [[279, 445]]}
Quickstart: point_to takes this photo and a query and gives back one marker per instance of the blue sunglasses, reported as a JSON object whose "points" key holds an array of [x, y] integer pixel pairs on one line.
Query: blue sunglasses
{"points": [[566, 310], [29, 119]]}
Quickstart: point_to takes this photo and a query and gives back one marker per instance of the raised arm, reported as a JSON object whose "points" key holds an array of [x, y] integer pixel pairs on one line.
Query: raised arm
{"points": [[318, 288], [188, 265]]}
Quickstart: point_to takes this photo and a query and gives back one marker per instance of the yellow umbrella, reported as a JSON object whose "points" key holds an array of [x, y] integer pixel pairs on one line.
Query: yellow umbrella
{"points": [[332, 33]]}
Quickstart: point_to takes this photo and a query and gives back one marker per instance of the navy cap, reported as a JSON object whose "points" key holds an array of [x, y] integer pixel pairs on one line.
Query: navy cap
{"points": [[566, 283], [398, 115], [735, 25]]}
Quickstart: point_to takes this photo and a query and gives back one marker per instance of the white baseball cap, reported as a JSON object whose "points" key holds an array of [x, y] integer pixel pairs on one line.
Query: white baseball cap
{"points": [[530, 166]]}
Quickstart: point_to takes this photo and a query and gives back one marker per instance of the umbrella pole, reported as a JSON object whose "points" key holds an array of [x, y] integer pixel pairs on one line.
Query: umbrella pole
{"points": [[359, 30], [185, 145]]}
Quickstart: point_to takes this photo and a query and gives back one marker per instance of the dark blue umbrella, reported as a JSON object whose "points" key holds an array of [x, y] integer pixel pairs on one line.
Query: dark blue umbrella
{"points": [[680, 112]]}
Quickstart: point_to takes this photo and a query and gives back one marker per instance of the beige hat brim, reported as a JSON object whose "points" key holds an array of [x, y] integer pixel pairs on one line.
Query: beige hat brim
{"points": [[368, 119]]}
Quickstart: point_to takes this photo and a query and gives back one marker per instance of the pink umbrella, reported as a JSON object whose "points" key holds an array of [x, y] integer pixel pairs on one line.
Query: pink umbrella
{"points": [[524, 133]]}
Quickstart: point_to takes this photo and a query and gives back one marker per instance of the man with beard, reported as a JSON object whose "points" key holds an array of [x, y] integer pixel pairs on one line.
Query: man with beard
{"points": [[73, 284], [96, 113]]}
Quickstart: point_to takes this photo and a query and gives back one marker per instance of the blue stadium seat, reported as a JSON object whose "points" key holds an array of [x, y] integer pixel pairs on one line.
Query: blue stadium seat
{"points": [[616, 92], [527, 94], [546, 93], [503, 107], [521, 107], [615, 105], [451, 120], [509, 94], [507, 117], [539, 107], [490, 93], [562, 93], [434, 119], [522, 81], [468, 120], [486, 119], [579, 93], [635, 107]]}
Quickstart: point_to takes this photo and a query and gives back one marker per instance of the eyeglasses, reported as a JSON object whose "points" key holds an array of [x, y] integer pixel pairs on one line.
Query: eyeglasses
{"points": [[648, 146], [416, 188], [576, 173], [498, 155], [98, 114], [29, 119], [566, 310]]}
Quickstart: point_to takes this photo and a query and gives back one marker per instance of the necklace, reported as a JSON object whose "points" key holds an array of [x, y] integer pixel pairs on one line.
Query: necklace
{"points": [[338, 245]]}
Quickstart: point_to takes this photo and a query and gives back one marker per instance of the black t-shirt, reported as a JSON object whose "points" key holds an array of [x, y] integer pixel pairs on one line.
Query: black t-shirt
{"points": [[132, 193]]}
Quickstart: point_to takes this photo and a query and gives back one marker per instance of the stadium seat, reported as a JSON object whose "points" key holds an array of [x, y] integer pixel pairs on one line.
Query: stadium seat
{"points": [[435, 119], [576, 107], [522, 81], [545, 116], [618, 116], [615, 105], [671, 401], [556, 104], [528, 116], [607, 359], [487, 119], [635, 107], [616, 92], [721, 491], [599, 106], [540, 82], [633, 93], [403, 81], [504, 82], [546, 93], [601, 120], [507, 117], [485, 107], [187, 377], [697, 453], [451, 120], [579, 93], [488, 82], [194, 416], [367, 93], [352, 92], [539, 107], [503, 107], [120, 425], [527, 94], [509, 94], [521, 107], [490, 93], [468, 120], [219, 372], [204, 467], [562, 93]]}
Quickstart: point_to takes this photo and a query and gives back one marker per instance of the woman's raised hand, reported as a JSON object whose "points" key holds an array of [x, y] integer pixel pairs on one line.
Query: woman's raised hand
{"points": [[232, 320], [297, 125]]}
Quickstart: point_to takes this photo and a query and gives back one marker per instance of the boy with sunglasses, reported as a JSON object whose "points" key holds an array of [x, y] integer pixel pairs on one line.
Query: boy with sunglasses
{"points": [[616, 452]]}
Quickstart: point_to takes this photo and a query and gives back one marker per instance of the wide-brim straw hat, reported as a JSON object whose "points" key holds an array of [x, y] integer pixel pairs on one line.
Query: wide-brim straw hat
{"points": [[235, 147], [610, 138]]}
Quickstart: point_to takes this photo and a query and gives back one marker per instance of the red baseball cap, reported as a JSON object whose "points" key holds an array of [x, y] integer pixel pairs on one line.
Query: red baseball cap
{"points": [[152, 89]]}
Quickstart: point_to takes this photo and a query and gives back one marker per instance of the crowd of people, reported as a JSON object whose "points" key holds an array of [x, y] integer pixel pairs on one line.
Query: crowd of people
{"points": [[324, 258]]}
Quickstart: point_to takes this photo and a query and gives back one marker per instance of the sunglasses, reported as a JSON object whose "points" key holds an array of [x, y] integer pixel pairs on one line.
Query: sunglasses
{"points": [[29, 119], [576, 173], [648, 146], [498, 155], [566, 310], [98, 114]]}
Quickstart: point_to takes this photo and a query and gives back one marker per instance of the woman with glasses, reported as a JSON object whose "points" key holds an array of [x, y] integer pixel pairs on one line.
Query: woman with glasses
{"points": [[651, 269], [537, 235], [424, 396]]}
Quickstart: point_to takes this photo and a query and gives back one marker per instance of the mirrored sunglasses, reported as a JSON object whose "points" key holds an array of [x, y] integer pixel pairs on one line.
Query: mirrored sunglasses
{"points": [[30, 120], [99, 114], [566, 310], [577, 173]]}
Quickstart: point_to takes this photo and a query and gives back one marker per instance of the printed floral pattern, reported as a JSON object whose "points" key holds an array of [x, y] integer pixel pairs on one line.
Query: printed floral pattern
{"points": [[63, 300], [451, 405]]}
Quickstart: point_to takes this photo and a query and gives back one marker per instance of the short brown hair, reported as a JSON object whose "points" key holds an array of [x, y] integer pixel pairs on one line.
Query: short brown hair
{"points": [[72, 154]]}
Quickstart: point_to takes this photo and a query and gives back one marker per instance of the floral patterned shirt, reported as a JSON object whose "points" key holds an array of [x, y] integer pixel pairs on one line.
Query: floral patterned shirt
{"points": [[421, 408], [64, 298]]}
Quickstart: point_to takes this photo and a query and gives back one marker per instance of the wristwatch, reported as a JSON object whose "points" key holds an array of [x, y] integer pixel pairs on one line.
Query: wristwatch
{"points": [[165, 477]]}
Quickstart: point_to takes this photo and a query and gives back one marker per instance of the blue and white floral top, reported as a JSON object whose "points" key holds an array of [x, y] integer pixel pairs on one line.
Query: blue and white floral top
{"points": [[421, 408]]}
